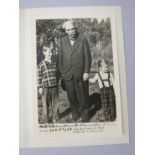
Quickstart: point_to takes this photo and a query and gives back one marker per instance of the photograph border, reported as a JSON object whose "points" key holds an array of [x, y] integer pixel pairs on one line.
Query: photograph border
{"points": [[114, 11]]}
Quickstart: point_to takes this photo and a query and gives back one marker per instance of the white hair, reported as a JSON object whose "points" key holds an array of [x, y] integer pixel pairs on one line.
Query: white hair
{"points": [[67, 24]]}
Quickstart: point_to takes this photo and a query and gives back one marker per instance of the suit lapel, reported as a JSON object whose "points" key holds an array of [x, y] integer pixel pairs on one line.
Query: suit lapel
{"points": [[68, 44], [76, 43]]}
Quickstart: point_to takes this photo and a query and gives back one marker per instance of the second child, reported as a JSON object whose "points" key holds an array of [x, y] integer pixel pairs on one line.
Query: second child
{"points": [[105, 82]]}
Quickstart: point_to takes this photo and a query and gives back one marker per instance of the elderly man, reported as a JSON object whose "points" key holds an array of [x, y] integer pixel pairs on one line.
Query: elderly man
{"points": [[75, 62]]}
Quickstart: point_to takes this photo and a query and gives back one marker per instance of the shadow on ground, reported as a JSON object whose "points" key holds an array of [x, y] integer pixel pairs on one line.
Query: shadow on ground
{"points": [[95, 104]]}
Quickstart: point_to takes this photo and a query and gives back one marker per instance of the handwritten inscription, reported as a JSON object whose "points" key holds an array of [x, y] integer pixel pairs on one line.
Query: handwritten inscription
{"points": [[73, 128]]}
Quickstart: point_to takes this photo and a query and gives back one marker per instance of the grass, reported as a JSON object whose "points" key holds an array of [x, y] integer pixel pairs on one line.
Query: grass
{"points": [[96, 113], [95, 110]]}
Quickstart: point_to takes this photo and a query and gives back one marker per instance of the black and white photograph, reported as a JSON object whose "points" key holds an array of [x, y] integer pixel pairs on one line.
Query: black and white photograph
{"points": [[75, 70], [75, 84]]}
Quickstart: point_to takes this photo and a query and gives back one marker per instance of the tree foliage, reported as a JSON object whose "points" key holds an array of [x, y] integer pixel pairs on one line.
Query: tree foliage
{"points": [[97, 32]]}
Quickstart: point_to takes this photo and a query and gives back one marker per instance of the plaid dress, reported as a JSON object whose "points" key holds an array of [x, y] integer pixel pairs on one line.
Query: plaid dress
{"points": [[108, 100]]}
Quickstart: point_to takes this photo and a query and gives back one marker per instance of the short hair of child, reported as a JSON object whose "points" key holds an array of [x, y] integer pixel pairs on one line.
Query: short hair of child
{"points": [[100, 62], [48, 44]]}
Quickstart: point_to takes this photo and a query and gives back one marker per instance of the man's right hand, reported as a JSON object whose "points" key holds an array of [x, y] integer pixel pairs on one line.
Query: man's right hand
{"points": [[40, 91]]}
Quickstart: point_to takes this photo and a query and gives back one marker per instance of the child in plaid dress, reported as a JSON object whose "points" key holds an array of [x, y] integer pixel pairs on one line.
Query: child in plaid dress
{"points": [[48, 85], [105, 82]]}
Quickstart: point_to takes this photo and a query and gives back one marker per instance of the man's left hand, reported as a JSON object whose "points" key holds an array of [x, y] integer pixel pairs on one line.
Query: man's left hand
{"points": [[85, 76]]}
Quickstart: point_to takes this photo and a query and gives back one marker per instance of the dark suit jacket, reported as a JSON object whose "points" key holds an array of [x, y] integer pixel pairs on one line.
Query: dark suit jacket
{"points": [[74, 60]]}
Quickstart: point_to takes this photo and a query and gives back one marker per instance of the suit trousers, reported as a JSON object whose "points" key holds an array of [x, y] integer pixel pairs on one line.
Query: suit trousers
{"points": [[77, 92]]}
